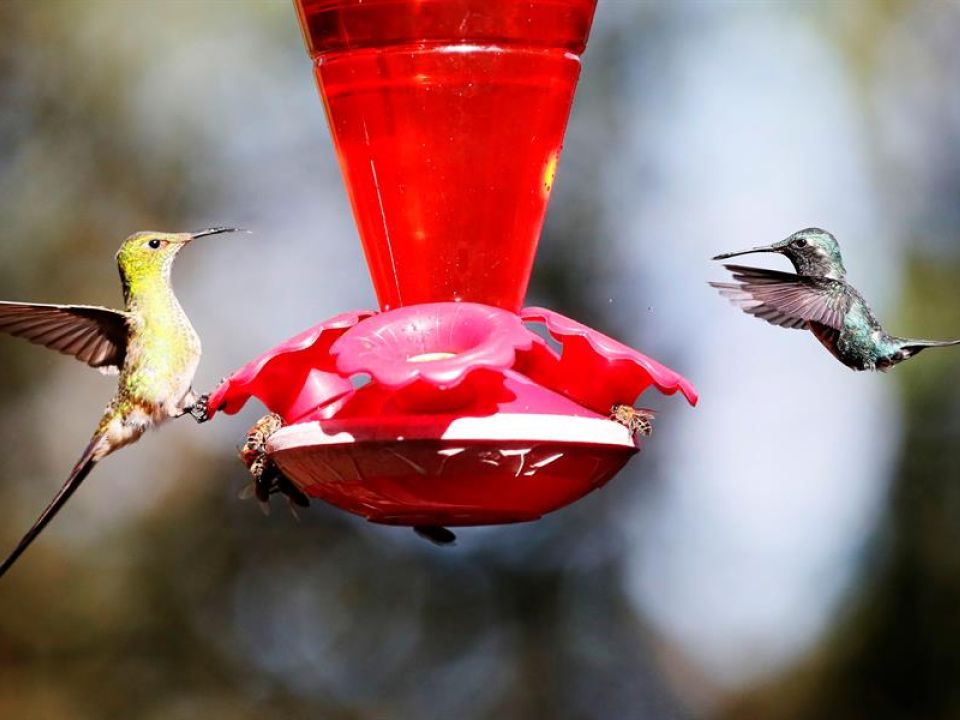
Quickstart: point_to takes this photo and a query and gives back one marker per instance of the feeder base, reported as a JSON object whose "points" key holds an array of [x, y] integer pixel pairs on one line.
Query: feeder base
{"points": [[448, 470]]}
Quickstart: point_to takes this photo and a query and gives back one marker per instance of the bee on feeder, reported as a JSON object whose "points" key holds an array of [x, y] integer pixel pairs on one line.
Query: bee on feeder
{"points": [[267, 478], [639, 421]]}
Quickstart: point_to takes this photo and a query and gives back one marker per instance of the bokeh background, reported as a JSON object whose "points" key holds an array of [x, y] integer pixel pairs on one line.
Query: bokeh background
{"points": [[788, 550]]}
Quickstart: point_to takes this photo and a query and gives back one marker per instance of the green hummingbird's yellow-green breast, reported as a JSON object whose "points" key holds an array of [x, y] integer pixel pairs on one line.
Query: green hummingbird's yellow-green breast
{"points": [[163, 349]]}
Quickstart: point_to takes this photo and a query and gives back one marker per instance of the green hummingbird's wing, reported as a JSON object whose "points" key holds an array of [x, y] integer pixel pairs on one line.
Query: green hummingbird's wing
{"points": [[785, 299], [95, 335]]}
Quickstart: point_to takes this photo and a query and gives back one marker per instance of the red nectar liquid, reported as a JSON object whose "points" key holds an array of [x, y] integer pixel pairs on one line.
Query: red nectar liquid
{"points": [[448, 117]]}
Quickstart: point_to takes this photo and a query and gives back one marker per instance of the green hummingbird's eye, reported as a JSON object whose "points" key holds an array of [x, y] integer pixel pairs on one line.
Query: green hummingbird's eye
{"points": [[800, 243], [155, 244]]}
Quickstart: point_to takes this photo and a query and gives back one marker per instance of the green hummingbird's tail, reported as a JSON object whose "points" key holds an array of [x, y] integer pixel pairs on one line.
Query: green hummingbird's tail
{"points": [[80, 472]]}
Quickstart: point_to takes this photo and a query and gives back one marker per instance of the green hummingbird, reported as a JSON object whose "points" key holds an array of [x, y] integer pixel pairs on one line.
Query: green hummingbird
{"points": [[151, 344], [819, 298]]}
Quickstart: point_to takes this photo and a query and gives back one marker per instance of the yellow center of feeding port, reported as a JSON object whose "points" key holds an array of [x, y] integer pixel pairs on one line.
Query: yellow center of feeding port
{"points": [[428, 357]]}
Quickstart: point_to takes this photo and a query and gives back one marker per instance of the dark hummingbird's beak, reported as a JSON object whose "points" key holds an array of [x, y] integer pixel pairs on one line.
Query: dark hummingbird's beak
{"points": [[763, 249], [214, 231]]}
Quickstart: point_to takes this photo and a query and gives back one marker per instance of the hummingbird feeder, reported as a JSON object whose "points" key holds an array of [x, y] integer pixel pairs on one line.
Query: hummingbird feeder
{"points": [[446, 407]]}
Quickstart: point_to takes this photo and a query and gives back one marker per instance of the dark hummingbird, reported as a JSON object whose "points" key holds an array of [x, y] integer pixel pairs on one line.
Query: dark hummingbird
{"points": [[151, 345], [819, 299]]}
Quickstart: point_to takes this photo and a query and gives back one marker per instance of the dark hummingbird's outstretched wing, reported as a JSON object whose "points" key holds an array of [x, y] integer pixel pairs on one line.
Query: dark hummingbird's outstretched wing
{"points": [[95, 335], [785, 299]]}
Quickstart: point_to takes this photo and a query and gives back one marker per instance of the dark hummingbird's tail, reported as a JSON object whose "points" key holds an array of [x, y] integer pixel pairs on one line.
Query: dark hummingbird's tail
{"points": [[911, 347], [80, 472]]}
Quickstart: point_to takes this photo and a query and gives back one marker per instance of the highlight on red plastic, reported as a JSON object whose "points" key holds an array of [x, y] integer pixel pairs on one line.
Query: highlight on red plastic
{"points": [[453, 470], [448, 118], [467, 416]]}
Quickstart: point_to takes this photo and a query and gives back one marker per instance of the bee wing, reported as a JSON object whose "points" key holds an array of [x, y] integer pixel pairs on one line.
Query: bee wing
{"points": [[94, 335], [785, 299]]}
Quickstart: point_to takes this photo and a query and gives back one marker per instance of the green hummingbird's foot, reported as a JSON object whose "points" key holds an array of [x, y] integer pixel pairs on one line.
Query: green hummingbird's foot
{"points": [[199, 411], [436, 534]]}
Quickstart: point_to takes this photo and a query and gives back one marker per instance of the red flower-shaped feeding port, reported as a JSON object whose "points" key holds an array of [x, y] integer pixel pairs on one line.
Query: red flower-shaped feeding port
{"points": [[447, 408], [468, 416]]}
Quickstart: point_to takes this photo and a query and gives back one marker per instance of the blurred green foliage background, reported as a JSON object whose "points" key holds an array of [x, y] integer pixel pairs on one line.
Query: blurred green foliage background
{"points": [[787, 551]]}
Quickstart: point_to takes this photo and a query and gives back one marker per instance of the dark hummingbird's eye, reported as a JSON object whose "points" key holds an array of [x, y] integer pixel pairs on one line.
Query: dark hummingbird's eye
{"points": [[800, 243], [154, 244]]}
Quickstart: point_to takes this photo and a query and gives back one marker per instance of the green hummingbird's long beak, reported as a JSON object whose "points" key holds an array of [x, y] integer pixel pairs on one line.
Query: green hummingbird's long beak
{"points": [[763, 249], [215, 231]]}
